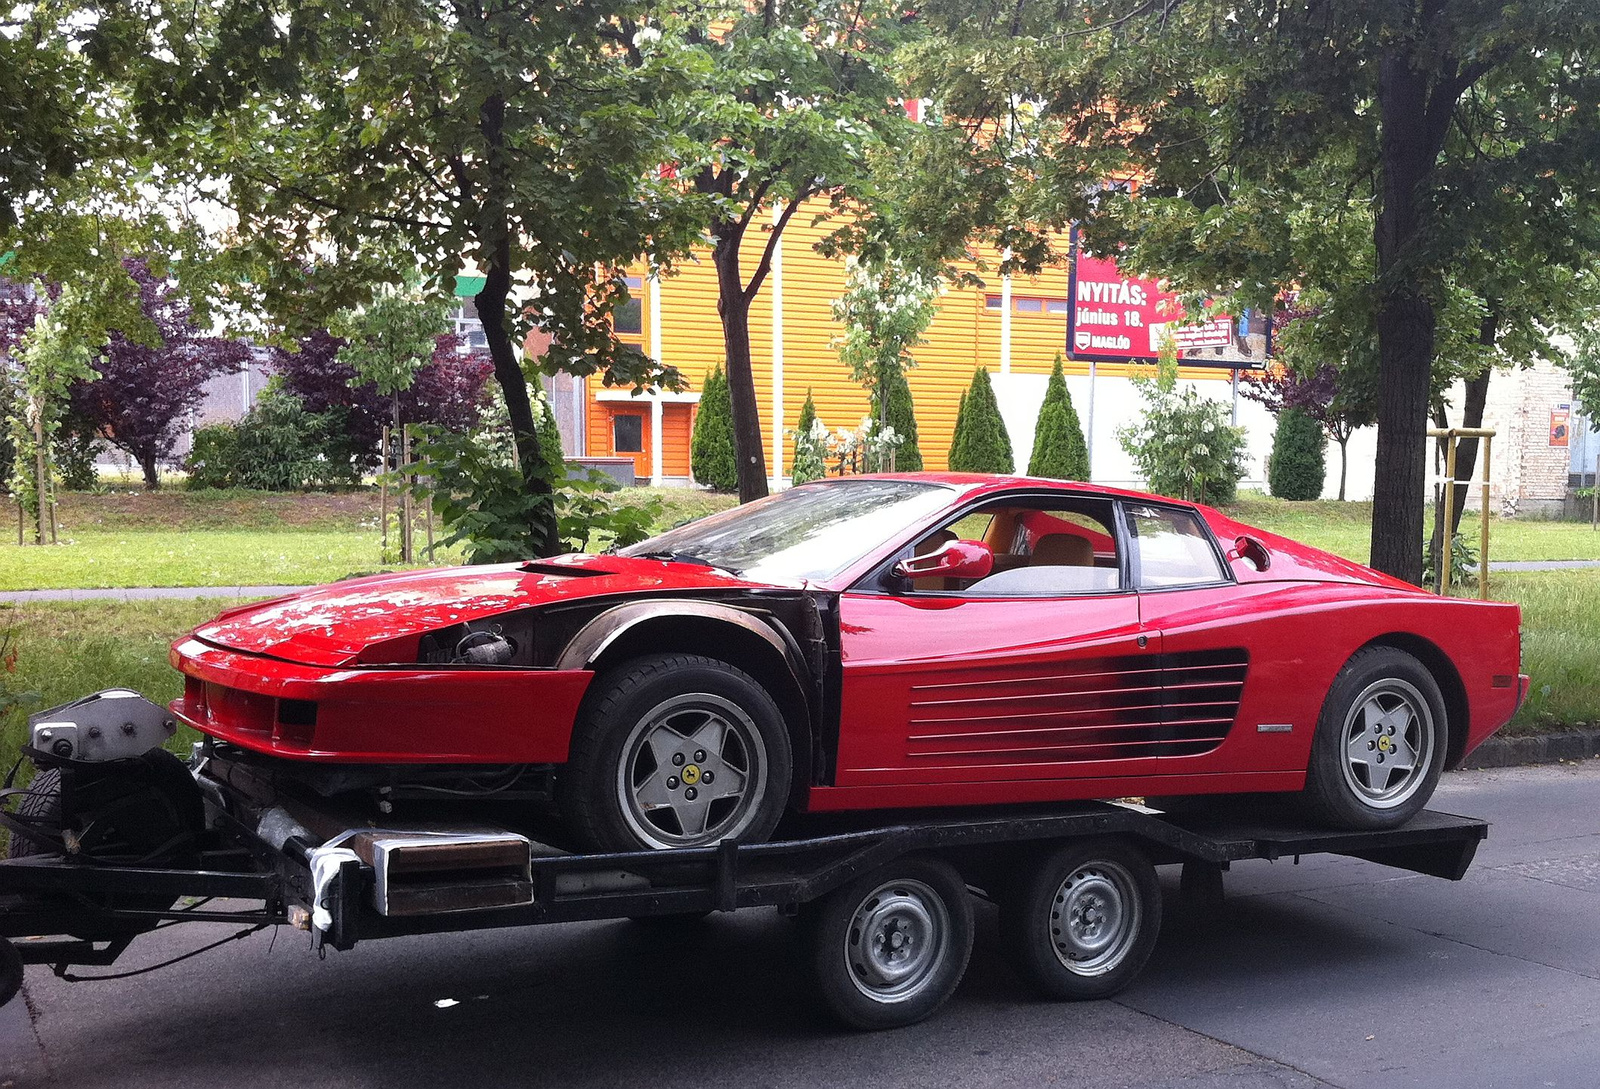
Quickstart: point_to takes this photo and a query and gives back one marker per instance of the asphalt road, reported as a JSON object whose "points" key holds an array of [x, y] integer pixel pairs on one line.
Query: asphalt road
{"points": [[1331, 973]]}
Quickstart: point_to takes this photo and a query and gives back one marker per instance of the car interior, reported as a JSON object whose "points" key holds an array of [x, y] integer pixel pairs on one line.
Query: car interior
{"points": [[1061, 547]]}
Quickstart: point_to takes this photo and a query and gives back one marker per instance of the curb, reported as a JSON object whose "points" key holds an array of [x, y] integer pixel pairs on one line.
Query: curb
{"points": [[1506, 752]]}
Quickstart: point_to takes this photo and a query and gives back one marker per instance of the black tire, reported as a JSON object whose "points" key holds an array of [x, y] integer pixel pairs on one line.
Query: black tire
{"points": [[1083, 922], [10, 971], [709, 719], [1383, 714], [42, 806], [890, 948]]}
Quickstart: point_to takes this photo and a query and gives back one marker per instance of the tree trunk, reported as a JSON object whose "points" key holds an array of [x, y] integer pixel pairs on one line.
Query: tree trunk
{"points": [[152, 472], [495, 234], [1405, 322], [733, 305], [1344, 462], [1477, 395]]}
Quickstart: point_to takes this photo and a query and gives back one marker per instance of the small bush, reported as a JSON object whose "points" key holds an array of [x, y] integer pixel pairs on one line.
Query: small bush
{"points": [[980, 443], [1297, 467], [1183, 444], [810, 445], [902, 419], [213, 456], [711, 452], [1059, 449]]}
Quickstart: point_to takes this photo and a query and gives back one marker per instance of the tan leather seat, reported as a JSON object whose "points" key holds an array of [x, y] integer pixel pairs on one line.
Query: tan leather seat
{"points": [[1062, 550]]}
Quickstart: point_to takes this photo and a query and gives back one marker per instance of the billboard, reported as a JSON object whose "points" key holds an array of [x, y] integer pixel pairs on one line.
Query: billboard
{"points": [[1113, 318]]}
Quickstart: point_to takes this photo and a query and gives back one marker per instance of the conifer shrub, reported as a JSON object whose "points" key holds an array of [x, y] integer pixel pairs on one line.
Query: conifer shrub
{"points": [[901, 416], [1298, 465], [810, 445], [981, 444], [711, 455], [1059, 449]]}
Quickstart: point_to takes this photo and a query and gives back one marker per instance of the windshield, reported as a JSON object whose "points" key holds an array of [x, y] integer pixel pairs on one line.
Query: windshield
{"points": [[811, 532]]}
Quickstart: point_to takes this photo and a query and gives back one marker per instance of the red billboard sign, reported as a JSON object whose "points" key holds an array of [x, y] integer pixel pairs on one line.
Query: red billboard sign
{"points": [[1115, 318]]}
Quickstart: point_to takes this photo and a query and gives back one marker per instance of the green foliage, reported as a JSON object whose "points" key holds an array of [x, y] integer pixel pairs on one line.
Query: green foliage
{"points": [[278, 446], [390, 339], [1463, 563], [51, 357], [1059, 449], [899, 416], [213, 455], [485, 507], [980, 443], [1182, 444], [555, 461], [810, 445], [711, 456], [1298, 466], [77, 446]]}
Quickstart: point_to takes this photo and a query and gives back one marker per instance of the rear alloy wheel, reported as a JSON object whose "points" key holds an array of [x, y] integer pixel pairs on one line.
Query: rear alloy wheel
{"points": [[1083, 923], [676, 751], [890, 948], [1380, 742]]}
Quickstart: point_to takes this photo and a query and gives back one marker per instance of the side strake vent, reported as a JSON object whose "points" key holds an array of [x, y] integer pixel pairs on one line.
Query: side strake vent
{"points": [[1113, 708]]}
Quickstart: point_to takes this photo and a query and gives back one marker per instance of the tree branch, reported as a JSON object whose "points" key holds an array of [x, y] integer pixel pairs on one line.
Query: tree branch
{"points": [[764, 265]]}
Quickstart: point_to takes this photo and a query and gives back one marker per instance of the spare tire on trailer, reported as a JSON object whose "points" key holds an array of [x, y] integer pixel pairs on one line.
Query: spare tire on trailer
{"points": [[145, 811]]}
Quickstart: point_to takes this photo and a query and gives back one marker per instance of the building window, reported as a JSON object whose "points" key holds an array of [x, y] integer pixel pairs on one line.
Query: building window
{"points": [[627, 434], [628, 318], [465, 325], [1030, 304]]}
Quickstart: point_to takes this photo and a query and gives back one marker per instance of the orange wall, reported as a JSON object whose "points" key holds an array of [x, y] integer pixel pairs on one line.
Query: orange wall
{"points": [[964, 334]]}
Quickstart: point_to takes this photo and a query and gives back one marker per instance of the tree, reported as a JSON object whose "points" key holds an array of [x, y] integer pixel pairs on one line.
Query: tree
{"points": [[711, 447], [1297, 469], [361, 142], [899, 414], [980, 443], [1324, 395], [1469, 129], [141, 395], [1059, 449], [792, 102], [388, 342], [47, 360], [810, 445], [886, 308], [1182, 443]]}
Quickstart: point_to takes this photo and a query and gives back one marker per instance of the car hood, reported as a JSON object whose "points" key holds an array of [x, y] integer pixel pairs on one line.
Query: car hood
{"points": [[330, 625]]}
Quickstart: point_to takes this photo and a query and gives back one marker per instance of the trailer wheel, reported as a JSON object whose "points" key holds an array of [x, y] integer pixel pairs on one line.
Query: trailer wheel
{"points": [[1083, 923], [889, 948], [41, 805]]}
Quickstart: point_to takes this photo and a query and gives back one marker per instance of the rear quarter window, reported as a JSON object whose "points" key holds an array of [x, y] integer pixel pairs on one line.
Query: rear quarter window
{"points": [[1174, 548]]}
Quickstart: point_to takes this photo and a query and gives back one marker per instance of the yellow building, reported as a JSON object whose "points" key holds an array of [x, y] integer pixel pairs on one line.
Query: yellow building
{"points": [[1015, 327]]}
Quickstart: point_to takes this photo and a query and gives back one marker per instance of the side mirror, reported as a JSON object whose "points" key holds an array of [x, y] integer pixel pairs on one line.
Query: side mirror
{"points": [[955, 560], [1252, 552]]}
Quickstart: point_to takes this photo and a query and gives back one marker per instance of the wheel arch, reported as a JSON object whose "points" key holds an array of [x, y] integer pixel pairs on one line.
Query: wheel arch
{"points": [[1446, 676], [735, 636]]}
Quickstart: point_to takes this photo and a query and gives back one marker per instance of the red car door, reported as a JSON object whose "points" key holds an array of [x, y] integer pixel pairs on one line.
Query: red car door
{"points": [[1039, 671]]}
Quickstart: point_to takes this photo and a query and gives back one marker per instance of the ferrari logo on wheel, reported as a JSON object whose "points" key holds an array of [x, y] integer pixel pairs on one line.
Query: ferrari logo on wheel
{"points": [[691, 774]]}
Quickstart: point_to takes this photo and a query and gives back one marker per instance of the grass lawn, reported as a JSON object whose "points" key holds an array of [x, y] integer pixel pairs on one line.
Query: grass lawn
{"points": [[182, 538], [1345, 529]]}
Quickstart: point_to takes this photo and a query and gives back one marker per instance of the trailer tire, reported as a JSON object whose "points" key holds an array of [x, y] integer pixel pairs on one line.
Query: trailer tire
{"points": [[41, 805], [890, 948], [1383, 714], [1083, 923], [616, 797]]}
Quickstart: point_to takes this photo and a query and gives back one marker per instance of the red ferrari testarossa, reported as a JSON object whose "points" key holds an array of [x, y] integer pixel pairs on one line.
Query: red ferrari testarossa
{"points": [[868, 643]]}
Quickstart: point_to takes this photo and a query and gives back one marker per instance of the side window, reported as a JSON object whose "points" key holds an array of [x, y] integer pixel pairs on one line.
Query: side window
{"points": [[1174, 548], [1048, 548]]}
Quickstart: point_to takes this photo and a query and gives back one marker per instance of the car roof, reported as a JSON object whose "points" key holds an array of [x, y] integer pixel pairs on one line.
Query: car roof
{"points": [[976, 484]]}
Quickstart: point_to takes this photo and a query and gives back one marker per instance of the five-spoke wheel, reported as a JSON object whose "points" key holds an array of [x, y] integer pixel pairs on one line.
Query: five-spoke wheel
{"points": [[675, 751], [1380, 742]]}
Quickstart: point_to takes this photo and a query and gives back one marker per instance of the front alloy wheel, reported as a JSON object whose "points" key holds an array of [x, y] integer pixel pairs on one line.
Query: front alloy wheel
{"points": [[692, 770]]}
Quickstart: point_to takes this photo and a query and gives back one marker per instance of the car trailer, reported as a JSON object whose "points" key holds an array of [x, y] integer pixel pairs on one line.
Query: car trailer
{"points": [[886, 910]]}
